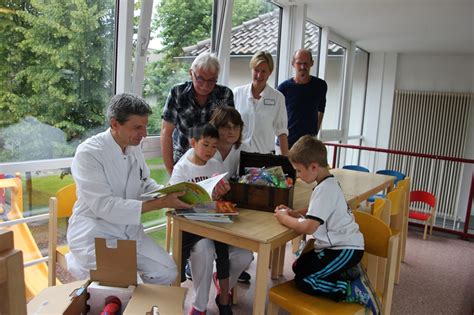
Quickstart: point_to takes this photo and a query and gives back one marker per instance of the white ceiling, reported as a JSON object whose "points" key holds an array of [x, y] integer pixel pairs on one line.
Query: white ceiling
{"points": [[414, 26]]}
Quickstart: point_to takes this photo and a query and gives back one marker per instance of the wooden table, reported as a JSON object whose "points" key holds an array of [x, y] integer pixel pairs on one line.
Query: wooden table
{"points": [[260, 232], [356, 186], [253, 230]]}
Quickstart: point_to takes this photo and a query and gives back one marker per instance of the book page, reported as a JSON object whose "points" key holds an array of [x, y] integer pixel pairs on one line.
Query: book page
{"points": [[210, 183], [200, 192]]}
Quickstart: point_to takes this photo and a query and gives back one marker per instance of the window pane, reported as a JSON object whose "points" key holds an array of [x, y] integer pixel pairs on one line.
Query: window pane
{"points": [[312, 40], [56, 75], [178, 29], [255, 27], [335, 79], [359, 86]]}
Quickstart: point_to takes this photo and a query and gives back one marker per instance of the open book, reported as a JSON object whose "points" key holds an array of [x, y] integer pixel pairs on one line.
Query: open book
{"points": [[196, 193]]}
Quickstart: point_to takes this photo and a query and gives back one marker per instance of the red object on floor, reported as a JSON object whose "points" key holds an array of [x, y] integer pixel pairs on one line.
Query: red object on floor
{"points": [[112, 306]]}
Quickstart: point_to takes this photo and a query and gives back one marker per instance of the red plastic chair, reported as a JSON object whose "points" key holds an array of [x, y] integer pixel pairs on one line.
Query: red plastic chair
{"points": [[425, 197]]}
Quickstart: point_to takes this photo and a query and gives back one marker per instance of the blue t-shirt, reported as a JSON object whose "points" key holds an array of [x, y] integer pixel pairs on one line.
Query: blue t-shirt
{"points": [[303, 102]]}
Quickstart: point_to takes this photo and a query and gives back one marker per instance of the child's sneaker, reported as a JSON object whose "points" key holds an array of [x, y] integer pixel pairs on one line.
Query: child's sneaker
{"points": [[223, 309], [244, 278], [194, 311], [360, 292]]}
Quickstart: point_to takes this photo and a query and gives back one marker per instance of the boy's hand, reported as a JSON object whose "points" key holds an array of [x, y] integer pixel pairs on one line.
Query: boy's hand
{"points": [[220, 190], [282, 207], [281, 215]]}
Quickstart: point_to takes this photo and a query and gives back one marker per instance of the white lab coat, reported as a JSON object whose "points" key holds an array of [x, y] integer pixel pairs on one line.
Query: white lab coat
{"points": [[109, 184], [264, 119]]}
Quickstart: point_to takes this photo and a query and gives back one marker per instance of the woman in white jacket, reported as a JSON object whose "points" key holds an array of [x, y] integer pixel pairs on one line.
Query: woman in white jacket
{"points": [[110, 173], [262, 109]]}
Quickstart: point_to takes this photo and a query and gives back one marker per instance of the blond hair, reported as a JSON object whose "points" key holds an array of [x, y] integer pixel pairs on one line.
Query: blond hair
{"points": [[259, 57], [308, 150]]}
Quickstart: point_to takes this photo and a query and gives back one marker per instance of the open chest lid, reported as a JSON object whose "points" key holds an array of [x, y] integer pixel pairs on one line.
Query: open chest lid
{"points": [[248, 159]]}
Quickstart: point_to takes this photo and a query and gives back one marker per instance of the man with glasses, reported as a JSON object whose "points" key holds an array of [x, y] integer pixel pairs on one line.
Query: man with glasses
{"points": [[190, 105], [305, 98]]}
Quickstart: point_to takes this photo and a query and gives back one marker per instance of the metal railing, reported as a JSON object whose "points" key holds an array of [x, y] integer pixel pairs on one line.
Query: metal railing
{"points": [[340, 154]]}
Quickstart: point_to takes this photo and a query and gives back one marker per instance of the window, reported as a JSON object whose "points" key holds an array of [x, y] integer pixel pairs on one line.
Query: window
{"points": [[260, 32], [335, 76], [312, 42], [180, 31], [56, 73]]}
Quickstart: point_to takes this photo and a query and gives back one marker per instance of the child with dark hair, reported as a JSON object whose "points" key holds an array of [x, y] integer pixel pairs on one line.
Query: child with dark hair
{"points": [[197, 165], [229, 123]]}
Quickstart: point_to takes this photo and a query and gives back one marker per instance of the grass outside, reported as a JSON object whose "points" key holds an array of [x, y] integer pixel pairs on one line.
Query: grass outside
{"points": [[43, 187]]}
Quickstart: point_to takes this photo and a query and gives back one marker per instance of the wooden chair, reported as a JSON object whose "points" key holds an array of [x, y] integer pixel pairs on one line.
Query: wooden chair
{"points": [[398, 177], [429, 199], [396, 198], [12, 283], [381, 210], [405, 184], [60, 206], [379, 241]]}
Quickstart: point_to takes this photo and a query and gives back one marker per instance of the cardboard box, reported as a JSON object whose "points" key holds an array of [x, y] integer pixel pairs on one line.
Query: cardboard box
{"points": [[260, 197], [117, 274]]}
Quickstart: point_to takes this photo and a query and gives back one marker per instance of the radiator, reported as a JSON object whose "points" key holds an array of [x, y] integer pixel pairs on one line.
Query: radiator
{"points": [[432, 123]]}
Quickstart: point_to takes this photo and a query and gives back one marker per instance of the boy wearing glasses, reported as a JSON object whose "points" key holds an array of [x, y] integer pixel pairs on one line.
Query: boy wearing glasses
{"points": [[190, 105]]}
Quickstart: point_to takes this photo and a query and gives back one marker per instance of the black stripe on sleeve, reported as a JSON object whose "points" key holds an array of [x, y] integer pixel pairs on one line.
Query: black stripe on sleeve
{"points": [[321, 221]]}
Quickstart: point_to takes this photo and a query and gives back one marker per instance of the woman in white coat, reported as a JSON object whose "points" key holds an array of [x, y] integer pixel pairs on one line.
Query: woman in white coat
{"points": [[262, 109], [110, 173]]}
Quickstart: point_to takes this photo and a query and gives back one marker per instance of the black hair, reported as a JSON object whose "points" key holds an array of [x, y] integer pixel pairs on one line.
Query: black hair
{"points": [[205, 131]]}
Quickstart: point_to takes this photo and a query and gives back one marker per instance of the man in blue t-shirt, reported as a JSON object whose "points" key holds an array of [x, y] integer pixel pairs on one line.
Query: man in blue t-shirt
{"points": [[305, 98]]}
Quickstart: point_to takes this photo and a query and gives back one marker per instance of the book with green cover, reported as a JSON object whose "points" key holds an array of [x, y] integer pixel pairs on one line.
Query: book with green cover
{"points": [[199, 192]]}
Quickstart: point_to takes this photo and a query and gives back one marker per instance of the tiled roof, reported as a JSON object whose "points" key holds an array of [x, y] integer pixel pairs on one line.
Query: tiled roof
{"points": [[257, 34]]}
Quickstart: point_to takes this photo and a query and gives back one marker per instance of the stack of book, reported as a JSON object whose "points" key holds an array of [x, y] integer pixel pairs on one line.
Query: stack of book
{"points": [[214, 211]]}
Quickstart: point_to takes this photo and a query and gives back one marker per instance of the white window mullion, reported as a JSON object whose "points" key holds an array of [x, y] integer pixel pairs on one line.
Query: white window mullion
{"points": [[124, 46]]}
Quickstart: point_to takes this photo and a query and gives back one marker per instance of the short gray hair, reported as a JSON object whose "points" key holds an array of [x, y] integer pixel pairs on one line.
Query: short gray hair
{"points": [[122, 106], [206, 61]]}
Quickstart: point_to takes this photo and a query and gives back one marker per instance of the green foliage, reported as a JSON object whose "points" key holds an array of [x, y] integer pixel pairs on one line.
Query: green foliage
{"points": [[59, 57], [180, 24]]}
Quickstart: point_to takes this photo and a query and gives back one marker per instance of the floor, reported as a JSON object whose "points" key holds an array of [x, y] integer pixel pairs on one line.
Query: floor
{"points": [[437, 277]]}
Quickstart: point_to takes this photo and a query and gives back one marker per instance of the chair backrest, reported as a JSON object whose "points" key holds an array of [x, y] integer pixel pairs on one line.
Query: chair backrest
{"points": [[399, 176], [395, 197], [376, 233], [66, 197], [382, 210], [60, 206], [380, 242], [356, 168], [423, 196]]}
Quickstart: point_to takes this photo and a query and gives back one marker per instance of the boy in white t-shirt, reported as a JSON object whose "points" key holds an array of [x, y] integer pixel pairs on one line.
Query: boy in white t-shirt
{"points": [[339, 245], [196, 165]]}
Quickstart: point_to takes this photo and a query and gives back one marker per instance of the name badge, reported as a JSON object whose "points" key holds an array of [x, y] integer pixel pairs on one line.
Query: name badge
{"points": [[267, 101]]}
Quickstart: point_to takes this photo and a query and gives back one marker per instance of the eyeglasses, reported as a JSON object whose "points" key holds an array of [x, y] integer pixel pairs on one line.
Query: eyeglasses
{"points": [[230, 127], [201, 80]]}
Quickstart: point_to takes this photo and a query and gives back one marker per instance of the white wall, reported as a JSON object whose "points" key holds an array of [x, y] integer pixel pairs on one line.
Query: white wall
{"points": [[442, 73], [240, 73], [379, 104]]}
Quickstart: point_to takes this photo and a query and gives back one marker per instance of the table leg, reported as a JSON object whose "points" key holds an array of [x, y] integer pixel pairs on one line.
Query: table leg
{"points": [[274, 262], [177, 250], [281, 260], [261, 281]]}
